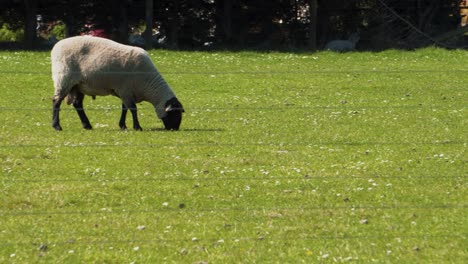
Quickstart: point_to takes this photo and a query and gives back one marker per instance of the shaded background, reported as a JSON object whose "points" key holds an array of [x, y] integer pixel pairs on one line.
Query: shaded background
{"points": [[236, 24]]}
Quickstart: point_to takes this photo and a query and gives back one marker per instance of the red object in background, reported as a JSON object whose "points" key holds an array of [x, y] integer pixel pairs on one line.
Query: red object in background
{"points": [[95, 32], [98, 33]]}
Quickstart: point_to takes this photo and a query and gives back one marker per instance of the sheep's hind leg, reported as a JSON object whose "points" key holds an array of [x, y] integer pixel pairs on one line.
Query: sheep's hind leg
{"points": [[122, 124], [55, 112], [78, 104]]}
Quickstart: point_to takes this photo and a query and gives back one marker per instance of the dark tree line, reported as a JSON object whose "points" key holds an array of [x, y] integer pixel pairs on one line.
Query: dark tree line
{"points": [[263, 24]]}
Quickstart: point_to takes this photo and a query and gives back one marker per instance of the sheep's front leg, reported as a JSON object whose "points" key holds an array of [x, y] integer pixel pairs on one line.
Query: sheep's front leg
{"points": [[136, 124], [55, 112], [133, 109], [78, 104], [122, 124]]}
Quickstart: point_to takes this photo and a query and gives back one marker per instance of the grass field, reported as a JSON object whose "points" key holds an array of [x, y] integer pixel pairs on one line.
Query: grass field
{"points": [[281, 158]]}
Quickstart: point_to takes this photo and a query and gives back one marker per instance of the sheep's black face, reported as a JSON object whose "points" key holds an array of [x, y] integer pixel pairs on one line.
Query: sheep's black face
{"points": [[172, 120], [174, 112]]}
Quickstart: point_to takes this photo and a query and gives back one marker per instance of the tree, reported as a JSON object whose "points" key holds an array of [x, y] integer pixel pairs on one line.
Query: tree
{"points": [[224, 21], [267, 24], [312, 41], [417, 23], [30, 22], [149, 23]]}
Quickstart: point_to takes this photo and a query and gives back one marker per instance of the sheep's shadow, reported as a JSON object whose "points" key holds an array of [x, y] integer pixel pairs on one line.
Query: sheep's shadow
{"points": [[160, 129]]}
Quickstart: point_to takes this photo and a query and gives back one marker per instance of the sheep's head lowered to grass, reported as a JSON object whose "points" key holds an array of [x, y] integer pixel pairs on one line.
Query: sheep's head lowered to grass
{"points": [[173, 116], [96, 67]]}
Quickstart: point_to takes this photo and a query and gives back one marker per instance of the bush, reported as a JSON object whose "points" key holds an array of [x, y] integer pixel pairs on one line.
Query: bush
{"points": [[8, 35], [58, 30]]}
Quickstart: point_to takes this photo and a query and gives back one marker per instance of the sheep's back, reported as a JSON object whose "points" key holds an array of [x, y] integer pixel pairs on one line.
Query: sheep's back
{"points": [[93, 54], [97, 62]]}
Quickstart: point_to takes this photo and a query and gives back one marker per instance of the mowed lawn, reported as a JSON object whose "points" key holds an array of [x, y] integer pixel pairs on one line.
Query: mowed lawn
{"points": [[281, 158]]}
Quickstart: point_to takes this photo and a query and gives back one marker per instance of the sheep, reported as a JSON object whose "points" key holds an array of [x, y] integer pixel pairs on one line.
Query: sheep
{"points": [[343, 45], [94, 66]]}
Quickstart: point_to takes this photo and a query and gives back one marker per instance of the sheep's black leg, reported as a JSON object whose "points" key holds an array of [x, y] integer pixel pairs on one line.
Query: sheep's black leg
{"points": [[78, 104], [55, 113], [133, 109], [122, 124]]}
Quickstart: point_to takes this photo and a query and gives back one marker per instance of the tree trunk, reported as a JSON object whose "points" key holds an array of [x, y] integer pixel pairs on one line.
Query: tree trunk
{"points": [[224, 21], [149, 24], [71, 28], [123, 25], [174, 25], [30, 23], [312, 42], [426, 13], [227, 25]]}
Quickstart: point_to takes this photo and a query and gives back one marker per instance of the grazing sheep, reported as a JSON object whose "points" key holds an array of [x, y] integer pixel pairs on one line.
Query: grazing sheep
{"points": [[95, 66], [343, 45]]}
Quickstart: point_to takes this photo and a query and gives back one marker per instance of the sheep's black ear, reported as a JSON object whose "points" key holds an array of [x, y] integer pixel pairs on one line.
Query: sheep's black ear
{"points": [[174, 108], [174, 105]]}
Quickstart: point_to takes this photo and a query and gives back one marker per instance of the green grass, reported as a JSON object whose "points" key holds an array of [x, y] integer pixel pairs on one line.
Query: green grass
{"points": [[283, 158]]}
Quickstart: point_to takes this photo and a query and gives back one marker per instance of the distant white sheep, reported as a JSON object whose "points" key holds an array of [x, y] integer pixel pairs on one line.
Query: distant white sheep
{"points": [[96, 66], [343, 45]]}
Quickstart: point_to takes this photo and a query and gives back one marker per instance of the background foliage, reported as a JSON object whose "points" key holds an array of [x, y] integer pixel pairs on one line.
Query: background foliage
{"points": [[249, 23]]}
